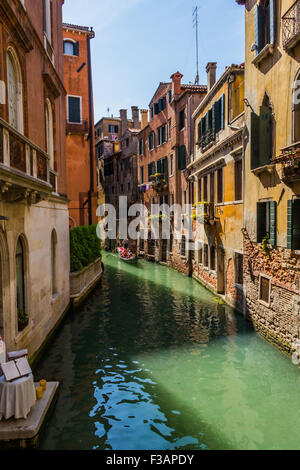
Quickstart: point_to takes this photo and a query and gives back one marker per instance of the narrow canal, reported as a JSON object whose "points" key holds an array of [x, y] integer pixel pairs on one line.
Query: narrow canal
{"points": [[152, 361]]}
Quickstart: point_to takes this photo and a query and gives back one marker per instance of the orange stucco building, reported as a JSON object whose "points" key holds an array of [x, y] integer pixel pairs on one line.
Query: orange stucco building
{"points": [[80, 132]]}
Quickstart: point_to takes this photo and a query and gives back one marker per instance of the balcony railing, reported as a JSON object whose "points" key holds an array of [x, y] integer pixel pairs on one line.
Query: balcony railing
{"points": [[19, 153], [290, 161], [291, 27], [207, 138], [205, 213]]}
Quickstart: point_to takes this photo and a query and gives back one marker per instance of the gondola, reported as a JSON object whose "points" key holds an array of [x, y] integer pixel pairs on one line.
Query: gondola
{"points": [[129, 258]]}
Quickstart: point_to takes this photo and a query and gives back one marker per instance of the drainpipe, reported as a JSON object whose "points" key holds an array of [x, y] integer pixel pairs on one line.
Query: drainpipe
{"points": [[91, 135]]}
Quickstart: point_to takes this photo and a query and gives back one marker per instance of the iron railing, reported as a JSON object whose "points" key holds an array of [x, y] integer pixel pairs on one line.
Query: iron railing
{"points": [[291, 26]]}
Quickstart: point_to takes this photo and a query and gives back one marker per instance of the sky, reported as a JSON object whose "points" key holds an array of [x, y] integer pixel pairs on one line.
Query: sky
{"points": [[140, 43]]}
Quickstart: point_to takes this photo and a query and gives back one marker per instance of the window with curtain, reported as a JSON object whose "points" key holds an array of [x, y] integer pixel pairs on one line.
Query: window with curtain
{"points": [[71, 48], [47, 20]]}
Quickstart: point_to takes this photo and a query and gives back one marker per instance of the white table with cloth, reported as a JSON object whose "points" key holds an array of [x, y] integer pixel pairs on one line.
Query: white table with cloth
{"points": [[17, 397]]}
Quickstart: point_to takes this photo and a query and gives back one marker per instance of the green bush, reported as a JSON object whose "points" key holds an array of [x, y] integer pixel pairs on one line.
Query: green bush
{"points": [[85, 247]]}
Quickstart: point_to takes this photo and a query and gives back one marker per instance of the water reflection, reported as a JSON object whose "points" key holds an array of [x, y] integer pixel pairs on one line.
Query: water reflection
{"points": [[152, 362]]}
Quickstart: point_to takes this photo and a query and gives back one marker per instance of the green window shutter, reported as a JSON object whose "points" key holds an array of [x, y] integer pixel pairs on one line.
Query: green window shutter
{"points": [[223, 112], [265, 136], [254, 141], [272, 21], [214, 119], [261, 221], [74, 109], [159, 166], [181, 158], [76, 48], [199, 131], [165, 169], [273, 223], [206, 122], [296, 224], [259, 28], [290, 225], [217, 112]]}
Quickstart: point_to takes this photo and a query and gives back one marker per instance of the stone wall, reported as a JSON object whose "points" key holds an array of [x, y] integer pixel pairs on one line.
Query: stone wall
{"points": [[82, 281], [278, 322]]}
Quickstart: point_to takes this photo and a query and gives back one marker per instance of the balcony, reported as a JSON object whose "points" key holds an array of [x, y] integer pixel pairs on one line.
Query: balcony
{"points": [[205, 213], [159, 182], [291, 27], [77, 128], [207, 138], [290, 161], [24, 168]]}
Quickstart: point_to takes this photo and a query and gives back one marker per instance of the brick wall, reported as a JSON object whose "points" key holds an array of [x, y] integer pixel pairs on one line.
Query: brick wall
{"points": [[280, 321]]}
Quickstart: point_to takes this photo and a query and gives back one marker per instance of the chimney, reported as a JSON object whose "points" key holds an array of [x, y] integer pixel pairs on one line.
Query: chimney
{"points": [[176, 83], [211, 74], [124, 122], [144, 118], [135, 117]]}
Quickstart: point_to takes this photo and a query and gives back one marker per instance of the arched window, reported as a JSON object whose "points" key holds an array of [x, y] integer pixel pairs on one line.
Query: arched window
{"points": [[54, 262], [49, 133], [296, 109], [71, 47], [20, 285], [15, 91]]}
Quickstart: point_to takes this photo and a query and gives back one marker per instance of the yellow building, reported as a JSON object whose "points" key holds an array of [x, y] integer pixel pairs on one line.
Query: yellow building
{"points": [[272, 169], [216, 173]]}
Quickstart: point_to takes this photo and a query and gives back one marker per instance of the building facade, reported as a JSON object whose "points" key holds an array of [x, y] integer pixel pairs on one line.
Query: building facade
{"points": [[272, 178], [164, 150], [116, 150], [80, 132], [34, 233], [217, 174]]}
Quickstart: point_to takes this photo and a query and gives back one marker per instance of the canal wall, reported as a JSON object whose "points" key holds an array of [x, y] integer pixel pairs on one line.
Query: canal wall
{"points": [[82, 282]]}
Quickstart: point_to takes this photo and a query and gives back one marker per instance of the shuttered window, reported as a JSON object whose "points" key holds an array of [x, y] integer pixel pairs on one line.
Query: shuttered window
{"points": [[264, 289], [265, 24], [213, 258], [182, 158], [182, 119], [220, 185], [267, 221], [261, 137], [238, 176], [151, 169], [293, 225], [74, 112]]}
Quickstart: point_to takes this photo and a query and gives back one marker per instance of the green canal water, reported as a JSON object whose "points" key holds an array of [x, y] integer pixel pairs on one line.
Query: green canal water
{"points": [[153, 362]]}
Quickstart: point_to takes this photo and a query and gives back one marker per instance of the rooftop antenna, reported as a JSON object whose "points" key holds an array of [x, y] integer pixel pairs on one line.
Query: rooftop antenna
{"points": [[108, 111], [195, 25]]}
